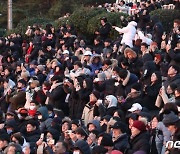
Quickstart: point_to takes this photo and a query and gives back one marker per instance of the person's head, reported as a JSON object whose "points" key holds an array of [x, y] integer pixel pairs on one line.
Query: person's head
{"points": [[144, 47], [96, 60], [88, 83], [99, 150], [155, 77], [78, 81], [119, 113], [56, 79], [176, 23], [153, 46], [107, 63], [34, 84], [163, 44], [173, 70], [116, 47], [135, 108], [171, 88], [75, 124], [22, 113], [46, 86], [10, 115], [39, 68], [93, 125], [103, 20], [129, 53], [81, 134], [60, 147], [123, 74], [77, 65], [137, 127], [171, 121], [33, 105], [110, 101], [26, 149], [21, 83], [52, 134], [7, 71], [107, 141], [136, 87], [154, 122], [92, 137], [5, 84], [13, 148], [117, 129], [37, 31], [17, 138], [116, 71], [87, 56], [31, 126], [65, 126], [4, 140], [97, 40], [54, 63], [168, 107], [81, 147], [107, 42], [94, 96], [177, 92]]}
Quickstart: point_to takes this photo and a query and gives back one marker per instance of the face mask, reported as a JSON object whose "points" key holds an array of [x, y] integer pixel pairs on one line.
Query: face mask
{"points": [[32, 107], [39, 117], [9, 131], [76, 152]]}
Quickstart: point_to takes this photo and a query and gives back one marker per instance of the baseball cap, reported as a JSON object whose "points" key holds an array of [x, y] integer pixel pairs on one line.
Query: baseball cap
{"points": [[88, 53], [119, 125], [65, 52], [134, 107]]}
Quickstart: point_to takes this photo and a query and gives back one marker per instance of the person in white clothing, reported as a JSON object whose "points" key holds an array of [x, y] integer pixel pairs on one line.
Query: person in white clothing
{"points": [[129, 33], [145, 38]]}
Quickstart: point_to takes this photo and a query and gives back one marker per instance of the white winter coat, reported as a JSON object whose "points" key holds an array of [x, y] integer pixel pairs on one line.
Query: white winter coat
{"points": [[129, 33]]}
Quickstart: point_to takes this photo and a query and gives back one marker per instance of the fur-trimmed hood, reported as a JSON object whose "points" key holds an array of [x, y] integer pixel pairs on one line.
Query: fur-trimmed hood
{"points": [[96, 56], [132, 52]]}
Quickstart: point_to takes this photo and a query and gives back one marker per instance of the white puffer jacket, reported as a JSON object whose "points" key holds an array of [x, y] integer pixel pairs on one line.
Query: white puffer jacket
{"points": [[129, 33]]}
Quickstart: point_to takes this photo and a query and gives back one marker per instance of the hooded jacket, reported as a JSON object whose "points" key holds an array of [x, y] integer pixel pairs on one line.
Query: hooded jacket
{"points": [[82, 146], [95, 66], [96, 124], [45, 122], [129, 33], [112, 106]]}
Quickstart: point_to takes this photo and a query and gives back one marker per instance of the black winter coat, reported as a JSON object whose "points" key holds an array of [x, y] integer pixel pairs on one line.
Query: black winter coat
{"points": [[121, 143], [151, 93], [140, 142], [32, 138], [76, 104], [57, 98]]}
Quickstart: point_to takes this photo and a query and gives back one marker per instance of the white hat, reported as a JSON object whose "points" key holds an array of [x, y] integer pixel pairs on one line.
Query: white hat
{"points": [[88, 53], [65, 52], [134, 107]]}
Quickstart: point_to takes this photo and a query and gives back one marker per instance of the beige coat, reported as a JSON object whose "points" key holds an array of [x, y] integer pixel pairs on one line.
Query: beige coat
{"points": [[87, 114]]}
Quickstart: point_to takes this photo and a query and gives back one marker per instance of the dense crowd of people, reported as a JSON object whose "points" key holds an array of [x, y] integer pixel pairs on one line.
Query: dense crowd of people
{"points": [[61, 94]]}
